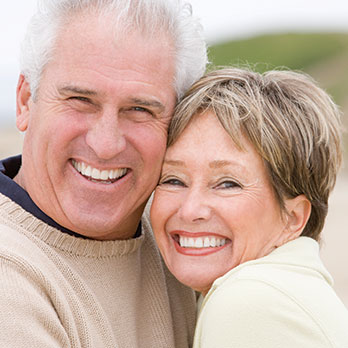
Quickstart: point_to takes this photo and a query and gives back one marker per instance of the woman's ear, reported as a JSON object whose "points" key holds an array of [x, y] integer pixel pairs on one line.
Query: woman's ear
{"points": [[298, 211], [22, 103]]}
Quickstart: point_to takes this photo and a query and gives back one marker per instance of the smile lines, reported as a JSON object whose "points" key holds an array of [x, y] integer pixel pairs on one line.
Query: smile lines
{"points": [[106, 176]]}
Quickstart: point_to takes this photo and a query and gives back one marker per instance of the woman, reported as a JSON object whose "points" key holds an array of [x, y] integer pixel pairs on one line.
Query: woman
{"points": [[240, 205]]}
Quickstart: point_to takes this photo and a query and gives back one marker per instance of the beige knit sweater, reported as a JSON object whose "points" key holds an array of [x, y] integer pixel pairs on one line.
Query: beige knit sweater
{"points": [[57, 290]]}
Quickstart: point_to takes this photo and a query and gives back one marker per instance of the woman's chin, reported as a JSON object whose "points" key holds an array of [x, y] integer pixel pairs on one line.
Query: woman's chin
{"points": [[196, 271], [195, 279]]}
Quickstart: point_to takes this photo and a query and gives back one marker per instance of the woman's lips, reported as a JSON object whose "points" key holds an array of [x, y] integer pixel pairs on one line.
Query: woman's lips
{"points": [[199, 243]]}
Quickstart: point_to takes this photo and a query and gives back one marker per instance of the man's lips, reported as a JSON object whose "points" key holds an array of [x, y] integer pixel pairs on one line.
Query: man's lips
{"points": [[107, 176], [201, 243]]}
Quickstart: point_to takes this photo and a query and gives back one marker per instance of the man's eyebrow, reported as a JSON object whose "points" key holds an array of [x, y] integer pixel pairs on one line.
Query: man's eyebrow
{"points": [[76, 90], [140, 102], [175, 163], [148, 103]]}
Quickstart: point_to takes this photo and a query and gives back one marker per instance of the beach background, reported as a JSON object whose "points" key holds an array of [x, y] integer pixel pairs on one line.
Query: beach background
{"points": [[310, 36]]}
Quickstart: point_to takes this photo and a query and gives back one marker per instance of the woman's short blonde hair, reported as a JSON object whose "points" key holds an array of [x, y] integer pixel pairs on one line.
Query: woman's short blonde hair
{"points": [[293, 124]]}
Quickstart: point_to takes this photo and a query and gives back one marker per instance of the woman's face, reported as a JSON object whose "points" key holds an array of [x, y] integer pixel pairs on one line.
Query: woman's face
{"points": [[214, 207]]}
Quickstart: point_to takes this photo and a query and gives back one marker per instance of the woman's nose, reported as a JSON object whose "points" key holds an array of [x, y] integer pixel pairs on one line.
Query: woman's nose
{"points": [[195, 207]]}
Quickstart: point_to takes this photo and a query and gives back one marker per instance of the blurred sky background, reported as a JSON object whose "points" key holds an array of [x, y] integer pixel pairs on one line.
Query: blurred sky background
{"points": [[222, 20]]}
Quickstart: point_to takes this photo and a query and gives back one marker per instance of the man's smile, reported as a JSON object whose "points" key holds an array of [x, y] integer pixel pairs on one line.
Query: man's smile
{"points": [[105, 176]]}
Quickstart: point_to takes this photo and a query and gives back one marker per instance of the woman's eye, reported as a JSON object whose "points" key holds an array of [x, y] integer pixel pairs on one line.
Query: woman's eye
{"points": [[172, 182], [228, 184]]}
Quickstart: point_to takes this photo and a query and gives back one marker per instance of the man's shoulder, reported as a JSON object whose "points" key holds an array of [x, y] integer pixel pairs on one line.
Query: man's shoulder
{"points": [[17, 247]]}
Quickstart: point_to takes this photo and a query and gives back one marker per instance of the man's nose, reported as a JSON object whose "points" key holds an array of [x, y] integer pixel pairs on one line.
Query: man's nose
{"points": [[106, 136], [195, 207]]}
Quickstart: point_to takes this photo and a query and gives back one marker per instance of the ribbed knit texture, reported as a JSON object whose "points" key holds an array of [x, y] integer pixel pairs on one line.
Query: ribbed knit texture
{"points": [[57, 290]]}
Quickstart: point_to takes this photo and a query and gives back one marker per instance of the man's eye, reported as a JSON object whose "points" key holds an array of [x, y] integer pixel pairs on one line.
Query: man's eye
{"points": [[138, 108], [141, 109], [79, 98], [137, 114]]}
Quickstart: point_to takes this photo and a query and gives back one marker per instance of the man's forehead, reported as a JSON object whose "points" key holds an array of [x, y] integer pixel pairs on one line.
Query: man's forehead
{"points": [[90, 25], [89, 56]]}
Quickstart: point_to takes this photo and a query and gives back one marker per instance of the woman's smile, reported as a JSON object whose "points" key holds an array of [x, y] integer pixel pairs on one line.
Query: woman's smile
{"points": [[198, 243]]}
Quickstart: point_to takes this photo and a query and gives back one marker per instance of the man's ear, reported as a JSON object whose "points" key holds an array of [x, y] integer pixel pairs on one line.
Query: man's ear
{"points": [[22, 103], [298, 213]]}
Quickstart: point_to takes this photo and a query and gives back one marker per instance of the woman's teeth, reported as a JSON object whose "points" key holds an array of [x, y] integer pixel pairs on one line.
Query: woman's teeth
{"points": [[201, 242], [96, 174]]}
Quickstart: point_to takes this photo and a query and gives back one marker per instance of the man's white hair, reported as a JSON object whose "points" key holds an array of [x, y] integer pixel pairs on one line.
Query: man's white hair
{"points": [[148, 17]]}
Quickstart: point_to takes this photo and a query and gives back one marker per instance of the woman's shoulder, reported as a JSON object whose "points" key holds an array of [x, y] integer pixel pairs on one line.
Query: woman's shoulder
{"points": [[291, 270], [274, 300], [253, 313]]}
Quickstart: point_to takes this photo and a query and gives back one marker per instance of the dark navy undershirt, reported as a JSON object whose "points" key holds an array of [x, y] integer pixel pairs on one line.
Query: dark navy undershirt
{"points": [[9, 168]]}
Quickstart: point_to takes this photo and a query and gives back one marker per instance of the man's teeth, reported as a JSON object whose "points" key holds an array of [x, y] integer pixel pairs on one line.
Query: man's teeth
{"points": [[201, 242], [97, 174]]}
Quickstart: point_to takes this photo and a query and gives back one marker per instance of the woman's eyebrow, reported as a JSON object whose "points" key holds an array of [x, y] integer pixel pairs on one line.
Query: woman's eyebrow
{"points": [[220, 163], [175, 163], [226, 163]]}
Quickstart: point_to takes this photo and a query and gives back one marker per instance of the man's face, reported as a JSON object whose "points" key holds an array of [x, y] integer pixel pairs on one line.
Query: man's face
{"points": [[96, 133]]}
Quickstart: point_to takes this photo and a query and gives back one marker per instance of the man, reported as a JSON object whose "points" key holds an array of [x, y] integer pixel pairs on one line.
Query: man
{"points": [[79, 267]]}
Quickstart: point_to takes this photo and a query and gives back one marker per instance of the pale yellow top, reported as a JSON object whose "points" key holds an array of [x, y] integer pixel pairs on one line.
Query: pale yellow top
{"points": [[283, 300]]}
